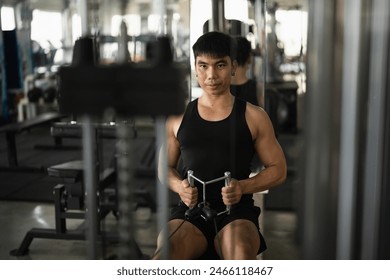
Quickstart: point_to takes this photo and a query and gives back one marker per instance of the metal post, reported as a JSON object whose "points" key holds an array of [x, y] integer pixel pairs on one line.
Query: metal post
{"points": [[218, 16], [84, 15], [159, 7], [378, 89], [126, 184], [349, 129], [321, 135], [89, 159], [162, 183], [90, 180]]}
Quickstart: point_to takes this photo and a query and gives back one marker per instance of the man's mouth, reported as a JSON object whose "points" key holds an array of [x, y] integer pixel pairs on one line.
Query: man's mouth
{"points": [[212, 83]]}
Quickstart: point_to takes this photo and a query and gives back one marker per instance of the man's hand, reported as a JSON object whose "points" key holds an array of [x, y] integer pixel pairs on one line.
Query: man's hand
{"points": [[231, 194], [188, 194]]}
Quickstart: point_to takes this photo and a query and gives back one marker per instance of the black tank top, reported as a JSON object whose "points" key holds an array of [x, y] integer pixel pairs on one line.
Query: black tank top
{"points": [[247, 91], [210, 148]]}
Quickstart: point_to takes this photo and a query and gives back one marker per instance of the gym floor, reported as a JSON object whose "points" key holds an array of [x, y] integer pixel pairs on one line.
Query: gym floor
{"points": [[18, 217]]}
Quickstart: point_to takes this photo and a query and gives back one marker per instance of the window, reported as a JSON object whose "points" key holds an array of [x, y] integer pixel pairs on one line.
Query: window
{"points": [[47, 35], [7, 18]]}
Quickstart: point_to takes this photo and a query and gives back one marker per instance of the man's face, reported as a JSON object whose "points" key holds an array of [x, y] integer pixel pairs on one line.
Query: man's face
{"points": [[214, 73]]}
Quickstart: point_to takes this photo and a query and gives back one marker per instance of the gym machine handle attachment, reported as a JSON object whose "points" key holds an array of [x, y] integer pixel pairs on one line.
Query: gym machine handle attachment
{"points": [[228, 178], [191, 212], [190, 178], [201, 207]]}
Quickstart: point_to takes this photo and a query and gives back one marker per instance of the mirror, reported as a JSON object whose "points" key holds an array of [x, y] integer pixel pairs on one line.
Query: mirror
{"points": [[286, 28], [247, 22]]}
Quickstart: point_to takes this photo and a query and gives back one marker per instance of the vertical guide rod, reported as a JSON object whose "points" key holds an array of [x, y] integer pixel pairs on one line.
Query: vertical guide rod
{"points": [[160, 7], [82, 7], [89, 145], [126, 184], [349, 130], [89, 159], [162, 183], [376, 115]]}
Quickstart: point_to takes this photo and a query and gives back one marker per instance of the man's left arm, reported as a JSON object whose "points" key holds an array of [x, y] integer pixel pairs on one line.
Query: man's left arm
{"points": [[270, 154]]}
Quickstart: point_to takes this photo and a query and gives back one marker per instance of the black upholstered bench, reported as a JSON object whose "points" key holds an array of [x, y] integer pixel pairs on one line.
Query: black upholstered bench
{"points": [[12, 129], [69, 204]]}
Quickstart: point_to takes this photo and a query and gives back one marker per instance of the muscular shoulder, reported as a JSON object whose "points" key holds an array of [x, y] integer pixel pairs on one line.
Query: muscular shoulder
{"points": [[257, 119], [255, 113], [173, 124]]}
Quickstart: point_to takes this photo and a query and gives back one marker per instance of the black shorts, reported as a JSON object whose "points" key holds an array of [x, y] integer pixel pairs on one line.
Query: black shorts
{"points": [[246, 212]]}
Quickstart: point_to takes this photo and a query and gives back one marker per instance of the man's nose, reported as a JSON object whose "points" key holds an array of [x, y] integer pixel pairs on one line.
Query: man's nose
{"points": [[211, 73]]}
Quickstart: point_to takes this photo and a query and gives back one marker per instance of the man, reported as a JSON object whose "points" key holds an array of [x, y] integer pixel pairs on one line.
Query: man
{"points": [[219, 133]]}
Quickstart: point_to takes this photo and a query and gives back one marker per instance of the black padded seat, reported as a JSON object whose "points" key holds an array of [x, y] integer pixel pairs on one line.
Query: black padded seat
{"points": [[71, 171], [13, 129]]}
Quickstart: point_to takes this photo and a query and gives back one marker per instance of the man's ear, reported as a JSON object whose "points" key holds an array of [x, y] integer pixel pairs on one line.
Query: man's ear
{"points": [[250, 59]]}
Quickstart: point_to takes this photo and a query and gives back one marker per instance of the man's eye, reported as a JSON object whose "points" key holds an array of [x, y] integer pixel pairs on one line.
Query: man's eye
{"points": [[221, 65]]}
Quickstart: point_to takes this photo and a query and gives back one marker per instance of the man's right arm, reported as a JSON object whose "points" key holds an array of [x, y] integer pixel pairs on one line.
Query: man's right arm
{"points": [[173, 146], [175, 182]]}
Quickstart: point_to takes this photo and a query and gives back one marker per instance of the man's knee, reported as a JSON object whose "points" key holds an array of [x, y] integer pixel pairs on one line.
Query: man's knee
{"points": [[184, 242], [239, 240], [238, 250]]}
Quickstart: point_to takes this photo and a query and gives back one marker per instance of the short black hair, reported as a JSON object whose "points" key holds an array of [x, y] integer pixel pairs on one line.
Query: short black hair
{"points": [[244, 50], [215, 44]]}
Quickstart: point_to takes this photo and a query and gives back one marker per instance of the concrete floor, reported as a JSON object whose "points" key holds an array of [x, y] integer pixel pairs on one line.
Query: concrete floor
{"points": [[19, 217]]}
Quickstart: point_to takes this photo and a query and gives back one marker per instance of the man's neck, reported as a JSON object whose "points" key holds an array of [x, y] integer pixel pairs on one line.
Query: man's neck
{"points": [[215, 108], [239, 77], [213, 101]]}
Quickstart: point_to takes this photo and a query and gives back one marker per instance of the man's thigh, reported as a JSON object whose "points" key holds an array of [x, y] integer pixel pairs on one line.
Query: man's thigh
{"points": [[239, 238], [186, 239]]}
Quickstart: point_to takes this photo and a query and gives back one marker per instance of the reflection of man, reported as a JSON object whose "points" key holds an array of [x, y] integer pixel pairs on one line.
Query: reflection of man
{"points": [[219, 133], [241, 85]]}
